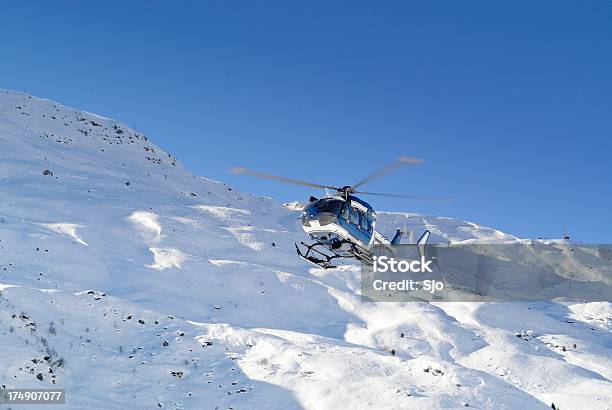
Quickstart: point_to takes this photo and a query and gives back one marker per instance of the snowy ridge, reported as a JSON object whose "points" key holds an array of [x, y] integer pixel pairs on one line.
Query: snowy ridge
{"points": [[444, 229], [133, 283]]}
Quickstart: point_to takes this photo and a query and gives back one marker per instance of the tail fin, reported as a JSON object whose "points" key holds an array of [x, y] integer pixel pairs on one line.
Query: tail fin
{"points": [[397, 238], [424, 238], [422, 242]]}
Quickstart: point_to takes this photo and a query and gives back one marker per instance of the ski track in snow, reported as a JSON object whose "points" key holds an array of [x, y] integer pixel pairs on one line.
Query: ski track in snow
{"points": [[198, 300]]}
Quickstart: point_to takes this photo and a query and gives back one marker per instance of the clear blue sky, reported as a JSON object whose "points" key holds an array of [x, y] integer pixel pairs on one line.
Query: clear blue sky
{"points": [[509, 103]]}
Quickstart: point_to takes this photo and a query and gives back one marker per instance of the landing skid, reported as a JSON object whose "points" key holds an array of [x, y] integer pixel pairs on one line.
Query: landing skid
{"points": [[316, 256]]}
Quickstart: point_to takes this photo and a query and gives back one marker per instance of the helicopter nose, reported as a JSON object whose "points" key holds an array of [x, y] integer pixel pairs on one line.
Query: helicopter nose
{"points": [[309, 217], [309, 213]]}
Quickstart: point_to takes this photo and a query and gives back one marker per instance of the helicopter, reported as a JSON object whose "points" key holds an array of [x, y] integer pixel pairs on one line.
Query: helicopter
{"points": [[342, 225]]}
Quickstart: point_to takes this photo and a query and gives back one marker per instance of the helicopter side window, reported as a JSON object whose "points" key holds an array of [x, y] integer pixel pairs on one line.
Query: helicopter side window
{"points": [[344, 212], [365, 224], [354, 217]]}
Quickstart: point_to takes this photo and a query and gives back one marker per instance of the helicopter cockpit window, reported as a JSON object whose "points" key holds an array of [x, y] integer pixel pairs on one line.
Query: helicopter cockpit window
{"points": [[329, 206]]}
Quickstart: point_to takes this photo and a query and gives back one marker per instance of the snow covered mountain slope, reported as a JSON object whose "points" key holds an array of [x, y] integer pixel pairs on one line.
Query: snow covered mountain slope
{"points": [[133, 283]]}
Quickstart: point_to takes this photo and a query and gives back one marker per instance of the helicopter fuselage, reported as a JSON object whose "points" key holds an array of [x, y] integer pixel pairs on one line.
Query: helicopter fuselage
{"points": [[345, 226]]}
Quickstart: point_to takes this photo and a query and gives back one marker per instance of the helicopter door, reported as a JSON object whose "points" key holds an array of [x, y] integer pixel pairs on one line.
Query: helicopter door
{"points": [[344, 212], [359, 226], [354, 217], [351, 220], [366, 229], [365, 224]]}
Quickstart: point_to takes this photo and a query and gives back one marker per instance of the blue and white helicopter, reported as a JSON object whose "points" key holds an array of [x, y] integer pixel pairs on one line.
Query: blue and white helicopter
{"points": [[343, 225]]}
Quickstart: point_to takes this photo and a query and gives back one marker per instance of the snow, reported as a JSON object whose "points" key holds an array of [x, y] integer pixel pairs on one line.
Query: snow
{"points": [[223, 212], [4, 286], [66, 229], [139, 284], [147, 223], [167, 258]]}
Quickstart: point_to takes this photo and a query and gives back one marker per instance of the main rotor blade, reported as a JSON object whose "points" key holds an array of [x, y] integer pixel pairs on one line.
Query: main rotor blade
{"points": [[240, 170], [441, 199], [389, 168]]}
